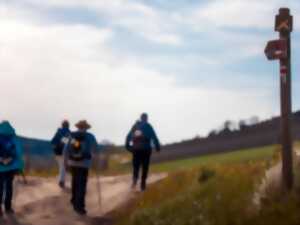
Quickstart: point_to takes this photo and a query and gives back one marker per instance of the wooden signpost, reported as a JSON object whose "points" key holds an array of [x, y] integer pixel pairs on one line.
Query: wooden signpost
{"points": [[281, 50]]}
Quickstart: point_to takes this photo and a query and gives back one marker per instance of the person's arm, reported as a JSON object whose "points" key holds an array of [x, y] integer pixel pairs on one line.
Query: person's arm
{"points": [[65, 153], [155, 139], [128, 140], [55, 140]]}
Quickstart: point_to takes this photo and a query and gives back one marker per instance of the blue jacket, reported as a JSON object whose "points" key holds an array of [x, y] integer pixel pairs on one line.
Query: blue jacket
{"points": [[60, 133], [56, 141], [18, 164], [148, 131], [92, 146]]}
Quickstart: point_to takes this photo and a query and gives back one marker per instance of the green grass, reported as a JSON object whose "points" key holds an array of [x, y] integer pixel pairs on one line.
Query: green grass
{"points": [[247, 155], [223, 198], [242, 156], [215, 190]]}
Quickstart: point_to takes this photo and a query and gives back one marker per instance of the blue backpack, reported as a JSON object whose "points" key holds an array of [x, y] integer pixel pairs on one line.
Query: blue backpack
{"points": [[8, 152], [78, 150]]}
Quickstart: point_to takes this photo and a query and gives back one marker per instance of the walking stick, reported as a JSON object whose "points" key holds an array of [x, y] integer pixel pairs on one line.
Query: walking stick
{"points": [[24, 177], [98, 184]]}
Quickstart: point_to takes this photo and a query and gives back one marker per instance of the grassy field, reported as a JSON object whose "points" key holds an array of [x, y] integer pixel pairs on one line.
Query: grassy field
{"points": [[215, 190], [118, 167], [245, 155], [215, 195]]}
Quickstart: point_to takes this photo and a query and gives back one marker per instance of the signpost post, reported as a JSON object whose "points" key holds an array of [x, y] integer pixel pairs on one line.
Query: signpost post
{"points": [[281, 49]]}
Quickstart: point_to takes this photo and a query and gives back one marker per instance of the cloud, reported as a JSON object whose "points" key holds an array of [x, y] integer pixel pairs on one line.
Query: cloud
{"points": [[239, 13], [136, 17], [54, 71]]}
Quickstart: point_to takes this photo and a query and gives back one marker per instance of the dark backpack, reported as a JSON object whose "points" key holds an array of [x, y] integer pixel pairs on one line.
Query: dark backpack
{"points": [[139, 139], [78, 149], [8, 152], [58, 141]]}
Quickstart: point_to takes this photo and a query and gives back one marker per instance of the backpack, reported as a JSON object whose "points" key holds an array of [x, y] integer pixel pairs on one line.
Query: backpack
{"points": [[59, 148], [8, 152], [78, 148], [139, 139]]}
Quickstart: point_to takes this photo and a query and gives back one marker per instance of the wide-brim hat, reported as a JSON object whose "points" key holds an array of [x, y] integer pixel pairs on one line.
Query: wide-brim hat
{"points": [[83, 124]]}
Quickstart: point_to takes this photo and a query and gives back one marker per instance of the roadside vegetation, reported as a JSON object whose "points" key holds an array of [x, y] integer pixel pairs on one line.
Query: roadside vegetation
{"points": [[121, 164], [219, 191]]}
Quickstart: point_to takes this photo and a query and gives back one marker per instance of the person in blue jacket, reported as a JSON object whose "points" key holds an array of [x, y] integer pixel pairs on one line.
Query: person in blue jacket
{"points": [[59, 142], [11, 162], [139, 142], [78, 157]]}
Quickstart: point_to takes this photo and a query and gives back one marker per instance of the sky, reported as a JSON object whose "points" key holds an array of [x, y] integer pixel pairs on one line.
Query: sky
{"points": [[189, 64]]}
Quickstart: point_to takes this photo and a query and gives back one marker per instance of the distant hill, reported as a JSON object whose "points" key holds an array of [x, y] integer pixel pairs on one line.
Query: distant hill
{"points": [[39, 153], [34, 146], [263, 133]]}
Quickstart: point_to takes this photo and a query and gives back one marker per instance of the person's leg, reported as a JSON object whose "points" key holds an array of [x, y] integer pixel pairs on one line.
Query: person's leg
{"points": [[145, 163], [73, 186], [62, 171], [136, 162], [83, 178], [2, 176], [9, 191]]}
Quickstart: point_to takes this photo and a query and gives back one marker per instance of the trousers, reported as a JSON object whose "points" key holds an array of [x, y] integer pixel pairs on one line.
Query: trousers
{"points": [[141, 159], [62, 169], [6, 188], [79, 185]]}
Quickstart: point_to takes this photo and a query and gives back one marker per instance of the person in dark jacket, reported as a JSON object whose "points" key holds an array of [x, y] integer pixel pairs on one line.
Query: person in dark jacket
{"points": [[59, 142], [10, 164], [139, 142], [78, 157]]}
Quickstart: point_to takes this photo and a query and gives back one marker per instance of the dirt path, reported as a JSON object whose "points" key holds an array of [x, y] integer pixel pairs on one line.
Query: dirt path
{"points": [[41, 202]]}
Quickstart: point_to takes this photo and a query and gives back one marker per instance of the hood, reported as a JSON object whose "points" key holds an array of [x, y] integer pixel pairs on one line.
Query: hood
{"points": [[7, 129]]}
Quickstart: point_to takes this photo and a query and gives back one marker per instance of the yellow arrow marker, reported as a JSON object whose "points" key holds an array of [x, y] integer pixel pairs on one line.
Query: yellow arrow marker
{"points": [[284, 25]]}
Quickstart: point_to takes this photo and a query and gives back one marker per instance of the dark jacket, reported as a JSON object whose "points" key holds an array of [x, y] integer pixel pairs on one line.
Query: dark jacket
{"points": [[148, 131], [57, 140]]}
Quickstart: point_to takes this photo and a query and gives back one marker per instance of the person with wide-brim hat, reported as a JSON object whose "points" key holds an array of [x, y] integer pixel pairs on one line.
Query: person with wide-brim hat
{"points": [[78, 156], [83, 125]]}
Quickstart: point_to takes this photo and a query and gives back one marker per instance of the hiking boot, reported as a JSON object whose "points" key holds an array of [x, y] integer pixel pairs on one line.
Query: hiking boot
{"points": [[134, 183], [81, 211], [9, 211], [143, 185], [61, 184]]}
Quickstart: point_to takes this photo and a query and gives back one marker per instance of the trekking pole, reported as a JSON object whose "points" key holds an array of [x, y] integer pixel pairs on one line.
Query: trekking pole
{"points": [[15, 190], [24, 177], [98, 184]]}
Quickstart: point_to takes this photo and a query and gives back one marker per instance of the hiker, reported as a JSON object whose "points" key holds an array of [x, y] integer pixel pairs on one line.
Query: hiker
{"points": [[78, 157], [139, 142], [11, 163], [59, 142]]}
